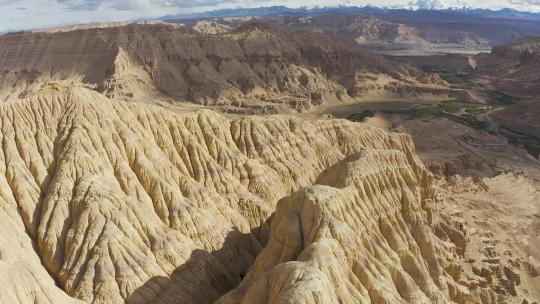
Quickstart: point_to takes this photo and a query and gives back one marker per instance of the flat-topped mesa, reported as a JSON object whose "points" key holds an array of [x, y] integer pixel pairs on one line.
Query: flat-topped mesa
{"points": [[255, 66], [112, 202]]}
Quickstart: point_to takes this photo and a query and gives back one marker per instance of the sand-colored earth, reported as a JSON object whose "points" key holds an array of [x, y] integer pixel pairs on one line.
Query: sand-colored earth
{"points": [[130, 173]]}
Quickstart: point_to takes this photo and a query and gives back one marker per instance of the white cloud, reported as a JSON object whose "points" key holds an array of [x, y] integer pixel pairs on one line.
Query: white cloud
{"points": [[28, 14], [82, 5], [426, 4]]}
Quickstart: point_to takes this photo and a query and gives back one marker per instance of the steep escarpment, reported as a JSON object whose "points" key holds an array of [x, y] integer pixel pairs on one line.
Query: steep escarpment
{"points": [[111, 202], [514, 69], [257, 66], [360, 235]]}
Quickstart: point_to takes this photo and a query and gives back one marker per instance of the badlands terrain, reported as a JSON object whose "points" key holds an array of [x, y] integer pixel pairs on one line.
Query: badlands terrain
{"points": [[268, 160]]}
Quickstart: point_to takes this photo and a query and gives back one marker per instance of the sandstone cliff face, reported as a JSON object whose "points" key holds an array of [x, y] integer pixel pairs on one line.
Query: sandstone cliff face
{"points": [[257, 66], [112, 202]]}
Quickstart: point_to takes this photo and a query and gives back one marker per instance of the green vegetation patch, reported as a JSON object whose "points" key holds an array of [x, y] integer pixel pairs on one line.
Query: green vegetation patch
{"points": [[361, 116], [500, 98], [459, 79], [424, 112], [465, 81], [458, 111], [454, 106], [461, 112]]}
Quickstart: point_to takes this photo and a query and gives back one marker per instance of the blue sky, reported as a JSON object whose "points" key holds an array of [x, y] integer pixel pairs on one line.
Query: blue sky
{"points": [[31, 14]]}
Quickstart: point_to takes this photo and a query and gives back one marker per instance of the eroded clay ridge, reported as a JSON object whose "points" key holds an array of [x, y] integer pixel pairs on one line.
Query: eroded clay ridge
{"points": [[257, 66], [112, 202], [360, 235]]}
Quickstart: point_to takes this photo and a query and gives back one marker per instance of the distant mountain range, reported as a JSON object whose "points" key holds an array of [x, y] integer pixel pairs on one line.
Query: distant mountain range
{"points": [[462, 26], [373, 10]]}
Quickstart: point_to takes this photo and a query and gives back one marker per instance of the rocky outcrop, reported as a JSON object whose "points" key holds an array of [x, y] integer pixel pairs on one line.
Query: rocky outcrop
{"points": [[112, 202], [211, 27], [360, 235]]}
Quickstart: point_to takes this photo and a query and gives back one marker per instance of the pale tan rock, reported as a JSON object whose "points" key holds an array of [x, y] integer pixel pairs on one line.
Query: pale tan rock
{"points": [[22, 278], [499, 217], [120, 202], [211, 27], [361, 236], [112, 202]]}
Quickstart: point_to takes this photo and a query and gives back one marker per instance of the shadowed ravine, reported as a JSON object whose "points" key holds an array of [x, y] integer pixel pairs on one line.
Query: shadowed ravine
{"points": [[223, 269]]}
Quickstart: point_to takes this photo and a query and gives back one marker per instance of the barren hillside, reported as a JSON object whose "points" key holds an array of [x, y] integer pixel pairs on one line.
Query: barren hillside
{"points": [[258, 66], [363, 28], [369, 29], [113, 189], [109, 202], [514, 68]]}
